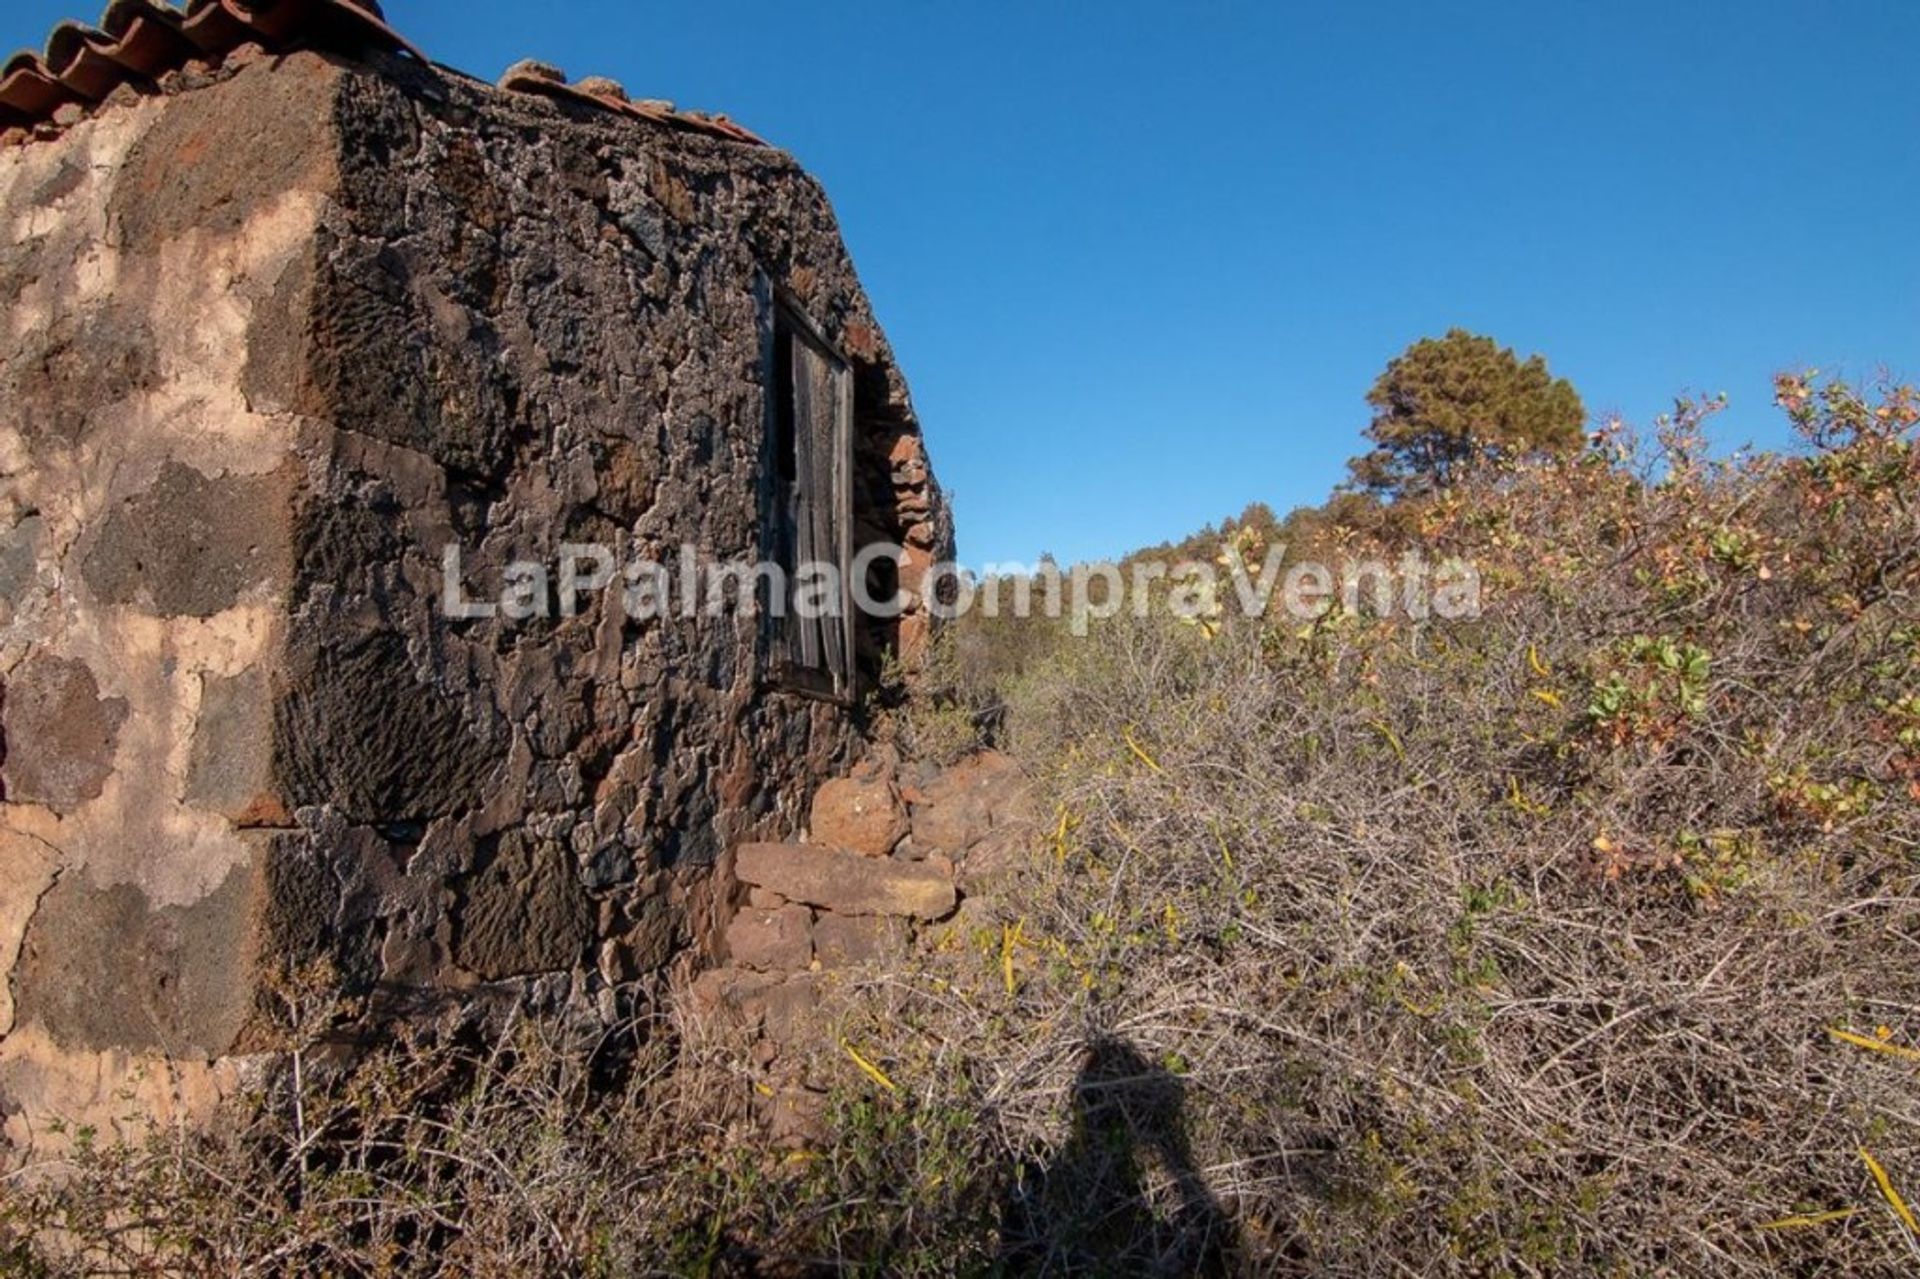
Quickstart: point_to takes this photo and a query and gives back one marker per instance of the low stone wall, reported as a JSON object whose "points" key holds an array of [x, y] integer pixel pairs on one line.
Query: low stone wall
{"points": [[895, 856]]}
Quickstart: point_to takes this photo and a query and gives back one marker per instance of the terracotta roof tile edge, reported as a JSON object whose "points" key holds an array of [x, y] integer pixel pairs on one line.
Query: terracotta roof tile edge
{"points": [[140, 41], [540, 80]]}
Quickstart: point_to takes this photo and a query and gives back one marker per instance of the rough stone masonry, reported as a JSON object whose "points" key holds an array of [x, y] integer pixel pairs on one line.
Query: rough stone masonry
{"points": [[273, 333]]}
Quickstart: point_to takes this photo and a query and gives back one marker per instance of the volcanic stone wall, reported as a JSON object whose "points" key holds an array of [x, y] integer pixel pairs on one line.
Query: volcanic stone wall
{"points": [[270, 341]]}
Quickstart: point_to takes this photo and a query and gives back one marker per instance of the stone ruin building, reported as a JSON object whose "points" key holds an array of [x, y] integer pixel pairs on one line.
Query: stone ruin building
{"points": [[286, 310]]}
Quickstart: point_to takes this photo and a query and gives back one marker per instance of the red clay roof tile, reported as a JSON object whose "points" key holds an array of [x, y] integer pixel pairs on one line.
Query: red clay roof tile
{"points": [[27, 89], [607, 95], [140, 41], [146, 36], [214, 28]]}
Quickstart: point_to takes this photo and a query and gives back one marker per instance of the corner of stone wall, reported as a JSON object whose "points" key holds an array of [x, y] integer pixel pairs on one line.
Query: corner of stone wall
{"points": [[278, 339], [155, 259]]}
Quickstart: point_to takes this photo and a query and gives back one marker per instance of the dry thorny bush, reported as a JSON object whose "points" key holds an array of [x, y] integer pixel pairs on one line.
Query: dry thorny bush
{"points": [[499, 1155], [1580, 938]]}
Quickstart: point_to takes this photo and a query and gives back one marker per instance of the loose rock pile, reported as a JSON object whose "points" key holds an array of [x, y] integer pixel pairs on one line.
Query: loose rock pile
{"points": [[890, 850]]}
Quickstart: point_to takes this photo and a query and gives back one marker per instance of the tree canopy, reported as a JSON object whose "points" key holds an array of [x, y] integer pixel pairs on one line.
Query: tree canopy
{"points": [[1447, 406]]}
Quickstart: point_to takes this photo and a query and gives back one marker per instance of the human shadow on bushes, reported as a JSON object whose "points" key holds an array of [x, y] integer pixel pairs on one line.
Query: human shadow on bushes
{"points": [[1088, 1211]]}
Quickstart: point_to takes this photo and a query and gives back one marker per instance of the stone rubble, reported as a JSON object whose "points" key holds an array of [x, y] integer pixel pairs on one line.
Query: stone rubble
{"points": [[861, 814], [810, 916]]}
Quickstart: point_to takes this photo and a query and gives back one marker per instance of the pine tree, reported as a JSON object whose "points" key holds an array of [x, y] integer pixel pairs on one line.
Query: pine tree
{"points": [[1447, 406]]}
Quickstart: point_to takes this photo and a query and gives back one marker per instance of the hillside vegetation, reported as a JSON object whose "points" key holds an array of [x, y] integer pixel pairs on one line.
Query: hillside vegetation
{"points": [[1581, 938]]}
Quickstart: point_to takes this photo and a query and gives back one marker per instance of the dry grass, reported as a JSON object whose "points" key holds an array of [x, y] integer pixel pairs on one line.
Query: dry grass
{"points": [[498, 1155], [1581, 939]]}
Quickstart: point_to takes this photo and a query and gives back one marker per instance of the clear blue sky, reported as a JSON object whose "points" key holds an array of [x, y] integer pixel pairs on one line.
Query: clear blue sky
{"points": [[1142, 261]]}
